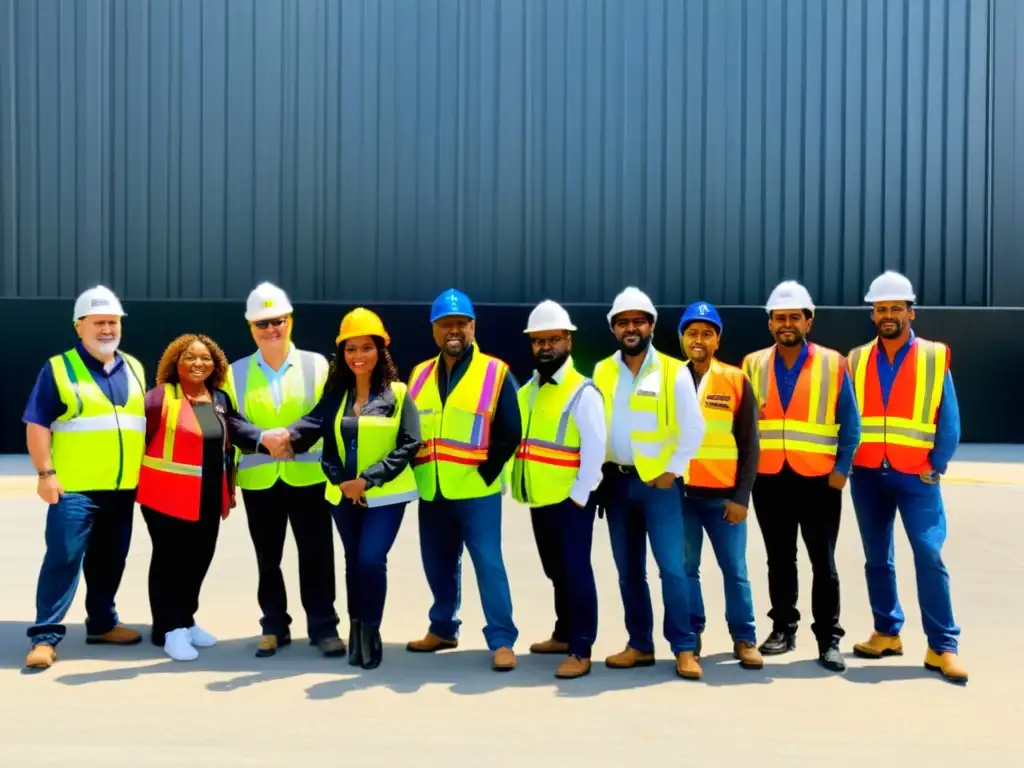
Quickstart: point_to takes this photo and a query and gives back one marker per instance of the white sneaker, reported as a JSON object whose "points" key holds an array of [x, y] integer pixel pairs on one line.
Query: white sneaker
{"points": [[200, 638], [178, 646]]}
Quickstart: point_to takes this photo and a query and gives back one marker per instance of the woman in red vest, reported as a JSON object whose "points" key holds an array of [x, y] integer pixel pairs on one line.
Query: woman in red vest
{"points": [[186, 483]]}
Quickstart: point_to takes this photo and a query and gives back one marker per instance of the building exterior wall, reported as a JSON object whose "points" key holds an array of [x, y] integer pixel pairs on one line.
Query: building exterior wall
{"points": [[384, 149]]}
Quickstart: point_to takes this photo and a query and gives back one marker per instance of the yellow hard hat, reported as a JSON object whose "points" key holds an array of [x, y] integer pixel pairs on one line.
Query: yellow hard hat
{"points": [[362, 322]]}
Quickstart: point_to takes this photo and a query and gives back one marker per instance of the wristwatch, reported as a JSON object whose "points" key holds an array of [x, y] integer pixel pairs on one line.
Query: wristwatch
{"points": [[47, 472]]}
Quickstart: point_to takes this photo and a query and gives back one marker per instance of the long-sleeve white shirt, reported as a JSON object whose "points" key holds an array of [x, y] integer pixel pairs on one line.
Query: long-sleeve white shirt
{"points": [[589, 415], [689, 418]]}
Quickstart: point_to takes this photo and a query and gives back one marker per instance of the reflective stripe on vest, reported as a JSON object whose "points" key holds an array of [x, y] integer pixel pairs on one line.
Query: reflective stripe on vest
{"points": [[547, 462], [902, 432], [456, 436], [376, 437], [719, 394], [95, 445], [652, 411], [805, 435], [252, 466], [171, 479]]}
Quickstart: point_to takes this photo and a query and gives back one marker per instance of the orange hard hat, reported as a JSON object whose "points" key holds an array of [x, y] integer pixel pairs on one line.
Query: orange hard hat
{"points": [[362, 322]]}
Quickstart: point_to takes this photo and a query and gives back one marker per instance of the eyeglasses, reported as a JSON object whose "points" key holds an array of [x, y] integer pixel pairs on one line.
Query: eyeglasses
{"points": [[264, 324]]}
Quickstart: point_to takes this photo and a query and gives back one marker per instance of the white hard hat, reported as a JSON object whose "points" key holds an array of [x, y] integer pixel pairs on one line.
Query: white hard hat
{"points": [[890, 286], [632, 299], [266, 301], [99, 300], [789, 295], [549, 316]]}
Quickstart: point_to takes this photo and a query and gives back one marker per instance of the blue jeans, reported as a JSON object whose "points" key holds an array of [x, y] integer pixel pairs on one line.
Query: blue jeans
{"points": [[877, 493], [636, 512], [445, 526], [565, 534], [729, 543], [90, 533], [367, 536]]}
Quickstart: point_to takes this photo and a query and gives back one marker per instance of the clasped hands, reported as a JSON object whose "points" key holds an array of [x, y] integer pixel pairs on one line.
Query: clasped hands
{"points": [[278, 443]]}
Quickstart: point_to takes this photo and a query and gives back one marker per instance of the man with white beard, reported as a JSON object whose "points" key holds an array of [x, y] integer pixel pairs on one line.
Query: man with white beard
{"points": [[85, 428]]}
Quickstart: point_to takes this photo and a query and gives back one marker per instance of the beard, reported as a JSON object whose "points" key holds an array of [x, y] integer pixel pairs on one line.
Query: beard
{"points": [[108, 346], [548, 363], [636, 349], [893, 332]]}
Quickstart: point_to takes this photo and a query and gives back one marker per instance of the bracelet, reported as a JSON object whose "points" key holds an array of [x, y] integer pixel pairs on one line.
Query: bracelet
{"points": [[47, 472]]}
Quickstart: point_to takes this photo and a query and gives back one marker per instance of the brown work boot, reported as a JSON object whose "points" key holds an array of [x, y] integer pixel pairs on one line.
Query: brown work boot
{"points": [[550, 646], [504, 659], [431, 643], [41, 656], [331, 646], [687, 666], [119, 635], [268, 645], [878, 646], [748, 655], [572, 667], [947, 663], [629, 658]]}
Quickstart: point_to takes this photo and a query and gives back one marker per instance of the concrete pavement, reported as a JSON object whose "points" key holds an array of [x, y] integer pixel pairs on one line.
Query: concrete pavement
{"points": [[105, 706]]}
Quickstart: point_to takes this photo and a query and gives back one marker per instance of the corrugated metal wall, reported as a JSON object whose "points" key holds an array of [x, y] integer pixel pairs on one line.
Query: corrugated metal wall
{"points": [[384, 149]]}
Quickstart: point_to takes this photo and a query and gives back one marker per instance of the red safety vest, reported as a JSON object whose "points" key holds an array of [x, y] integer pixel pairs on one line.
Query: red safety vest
{"points": [[171, 477], [805, 435], [902, 432]]}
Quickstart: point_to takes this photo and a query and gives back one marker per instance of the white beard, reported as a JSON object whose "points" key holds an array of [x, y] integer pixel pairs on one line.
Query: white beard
{"points": [[108, 347]]}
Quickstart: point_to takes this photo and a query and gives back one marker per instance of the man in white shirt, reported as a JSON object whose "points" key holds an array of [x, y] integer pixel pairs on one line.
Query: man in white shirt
{"points": [[655, 426], [556, 468]]}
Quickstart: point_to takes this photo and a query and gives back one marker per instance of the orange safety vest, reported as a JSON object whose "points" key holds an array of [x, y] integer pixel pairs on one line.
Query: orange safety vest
{"points": [[805, 435], [171, 477], [719, 394], [902, 432]]}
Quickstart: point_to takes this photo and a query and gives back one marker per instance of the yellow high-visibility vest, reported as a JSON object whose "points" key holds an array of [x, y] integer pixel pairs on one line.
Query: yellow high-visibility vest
{"points": [[250, 392], [652, 406], [95, 445], [548, 460], [375, 439]]}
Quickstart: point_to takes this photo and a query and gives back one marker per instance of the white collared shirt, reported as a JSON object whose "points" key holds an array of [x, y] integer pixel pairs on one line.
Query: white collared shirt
{"points": [[589, 415], [689, 418]]}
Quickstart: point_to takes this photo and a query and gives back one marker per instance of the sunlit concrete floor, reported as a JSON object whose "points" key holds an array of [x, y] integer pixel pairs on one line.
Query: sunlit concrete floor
{"points": [[101, 706]]}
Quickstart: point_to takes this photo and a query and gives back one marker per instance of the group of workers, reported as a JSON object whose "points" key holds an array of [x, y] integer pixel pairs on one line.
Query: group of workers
{"points": [[667, 448]]}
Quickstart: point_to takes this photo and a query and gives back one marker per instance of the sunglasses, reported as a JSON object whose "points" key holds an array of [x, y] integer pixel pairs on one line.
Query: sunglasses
{"points": [[264, 324]]}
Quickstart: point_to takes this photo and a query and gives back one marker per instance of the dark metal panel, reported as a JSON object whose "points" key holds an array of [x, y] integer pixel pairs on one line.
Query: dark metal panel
{"points": [[387, 149]]}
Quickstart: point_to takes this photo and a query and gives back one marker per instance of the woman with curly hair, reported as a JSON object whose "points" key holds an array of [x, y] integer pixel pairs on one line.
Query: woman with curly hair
{"points": [[186, 483], [371, 432]]}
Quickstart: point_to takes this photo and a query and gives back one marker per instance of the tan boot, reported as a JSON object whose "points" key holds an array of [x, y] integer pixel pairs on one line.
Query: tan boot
{"points": [[504, 660], [550, 646], [572, 667], [879, 645], [748, 655], [119, 635], [431, 643], [268, 645], [688, 667], [629, 658], [41, 656], [947, 663]]}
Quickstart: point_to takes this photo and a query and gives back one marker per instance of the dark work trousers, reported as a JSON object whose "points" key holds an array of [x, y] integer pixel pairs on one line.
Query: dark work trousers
{"points": [[182, 553], [87, 533], [784, 503], [565, 533], [268, 513]]}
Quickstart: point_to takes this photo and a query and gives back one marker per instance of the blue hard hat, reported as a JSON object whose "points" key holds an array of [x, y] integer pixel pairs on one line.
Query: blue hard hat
{"points": [[452, 302], [702, 311]]}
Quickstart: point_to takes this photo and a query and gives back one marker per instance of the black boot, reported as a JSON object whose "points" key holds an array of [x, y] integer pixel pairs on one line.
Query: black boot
{"points": [[371, 645], [355, 647], [778, 643], [830, 658]]}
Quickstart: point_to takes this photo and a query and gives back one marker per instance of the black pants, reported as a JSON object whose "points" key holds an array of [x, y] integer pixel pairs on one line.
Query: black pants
{"points": [[182, 553], [564, 533], [269, 512], [784, 503]]}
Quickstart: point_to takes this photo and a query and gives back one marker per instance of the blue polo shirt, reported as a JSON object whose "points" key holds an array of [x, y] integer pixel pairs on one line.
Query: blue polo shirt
{"points": [[947, 427], [846, 408], [44, 404]]}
